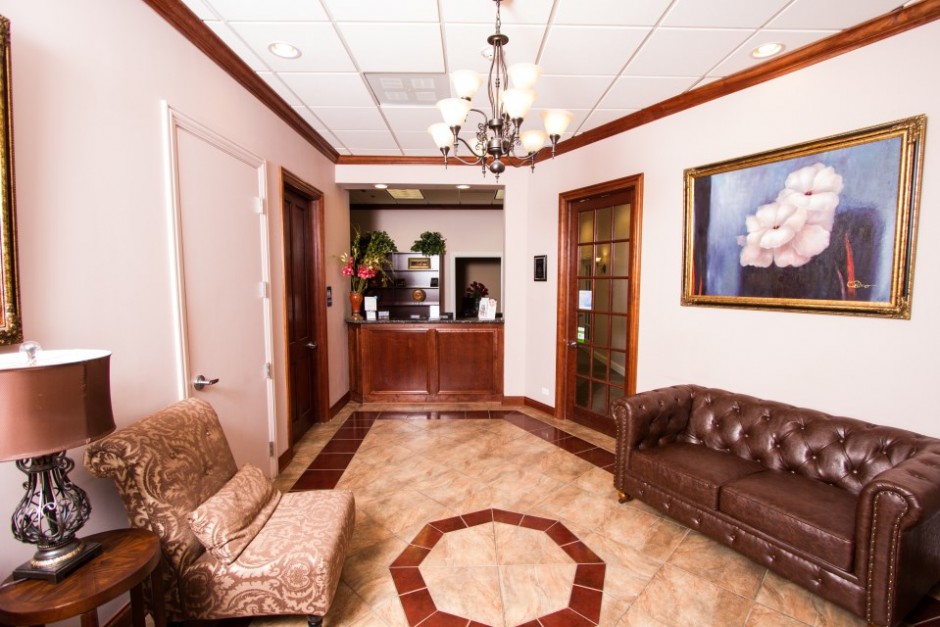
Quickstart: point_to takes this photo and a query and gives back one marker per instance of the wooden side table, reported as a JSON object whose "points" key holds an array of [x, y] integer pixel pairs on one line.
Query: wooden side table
{"points": [[128, 558]]}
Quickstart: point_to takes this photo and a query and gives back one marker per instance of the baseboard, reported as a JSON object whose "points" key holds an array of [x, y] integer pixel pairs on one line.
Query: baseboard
{"points": [[285, 459], [514, 400], [338, 406], [528, 402]]}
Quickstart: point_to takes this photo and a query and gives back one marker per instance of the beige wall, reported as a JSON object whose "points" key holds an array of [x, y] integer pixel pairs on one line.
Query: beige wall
{"points": [[88, 80]]}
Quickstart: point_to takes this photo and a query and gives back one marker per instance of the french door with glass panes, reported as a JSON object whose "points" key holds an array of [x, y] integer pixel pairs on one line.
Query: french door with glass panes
{"points": [[597, 334]]}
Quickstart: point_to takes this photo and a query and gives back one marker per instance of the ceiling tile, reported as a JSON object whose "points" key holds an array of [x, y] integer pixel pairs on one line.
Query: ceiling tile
{"points": [[269, 10], [684, 51], [233, 41], [791, 39], [466, 41], [411, 119], [329, 90], [360, 140], [837, 14], [571, 92], [395, 47], [414, 140], [599, 117], [517, 12], [382, 10], [321, 50], [637, 92], [378, 152], [424, 152], [600, 50], [282, 90], [200, 9], [610, 12], [351, 118], [309, 118], [723, 13]]}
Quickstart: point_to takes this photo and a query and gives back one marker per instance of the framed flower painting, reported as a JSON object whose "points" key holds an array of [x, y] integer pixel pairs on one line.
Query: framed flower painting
{"points": [[826, 226]]}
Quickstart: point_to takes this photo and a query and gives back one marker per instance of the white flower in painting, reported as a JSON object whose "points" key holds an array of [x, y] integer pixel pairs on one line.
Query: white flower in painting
{"points": [[796, 227]]}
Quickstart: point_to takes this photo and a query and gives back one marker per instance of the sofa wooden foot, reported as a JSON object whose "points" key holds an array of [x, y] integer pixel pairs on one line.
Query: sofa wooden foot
{"points": [[314, 621], [624, 497]]}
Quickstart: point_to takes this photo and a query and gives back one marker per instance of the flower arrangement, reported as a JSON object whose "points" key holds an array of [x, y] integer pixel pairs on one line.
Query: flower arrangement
{"points": [[476, 291], [367, 258]]}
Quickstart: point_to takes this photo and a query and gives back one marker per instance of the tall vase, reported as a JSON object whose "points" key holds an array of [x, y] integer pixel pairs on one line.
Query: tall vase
{"points": [[355, 303]]}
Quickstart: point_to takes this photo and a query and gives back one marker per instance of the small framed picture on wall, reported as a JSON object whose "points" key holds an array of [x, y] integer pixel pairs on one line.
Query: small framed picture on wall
{"points": [[541, 268]]}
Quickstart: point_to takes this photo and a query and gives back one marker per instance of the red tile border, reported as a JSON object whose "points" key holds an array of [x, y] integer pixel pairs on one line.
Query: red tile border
{"points": [[584, 603], [341, 446], [331, 461], [317, 480]]}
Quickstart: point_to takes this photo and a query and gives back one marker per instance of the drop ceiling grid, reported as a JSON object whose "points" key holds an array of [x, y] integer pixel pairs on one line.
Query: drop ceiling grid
{"points": [[602, 59]]}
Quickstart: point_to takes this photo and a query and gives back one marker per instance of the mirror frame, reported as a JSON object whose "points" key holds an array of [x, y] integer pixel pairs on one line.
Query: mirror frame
{"points": [[11, 328]]}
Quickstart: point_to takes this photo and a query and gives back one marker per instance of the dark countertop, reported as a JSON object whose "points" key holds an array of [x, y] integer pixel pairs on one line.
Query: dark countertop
{"points": [[426, 321]]}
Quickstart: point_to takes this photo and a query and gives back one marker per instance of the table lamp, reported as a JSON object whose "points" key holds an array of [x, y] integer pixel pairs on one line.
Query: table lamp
{"points": [[52, 401]]}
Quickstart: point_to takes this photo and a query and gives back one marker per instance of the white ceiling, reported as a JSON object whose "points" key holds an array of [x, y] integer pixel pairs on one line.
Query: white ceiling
{"points": [[600, 59]]}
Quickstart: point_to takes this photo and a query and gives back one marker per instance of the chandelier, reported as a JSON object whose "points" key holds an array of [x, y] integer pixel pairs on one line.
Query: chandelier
{"points": [[500, 140]]}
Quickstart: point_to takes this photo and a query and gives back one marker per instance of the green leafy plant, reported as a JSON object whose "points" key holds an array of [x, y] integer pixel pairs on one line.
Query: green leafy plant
{"points": [[429, 244]]}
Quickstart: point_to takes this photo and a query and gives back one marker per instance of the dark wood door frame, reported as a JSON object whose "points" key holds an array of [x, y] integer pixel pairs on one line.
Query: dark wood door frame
{"points": [[564, 356], [298, 186]]}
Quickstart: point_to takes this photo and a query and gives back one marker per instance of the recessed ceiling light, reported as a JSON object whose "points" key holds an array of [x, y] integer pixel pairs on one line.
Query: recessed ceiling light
{"points": [[463, 186], [767, 50], [381, 186], [283, 50]]}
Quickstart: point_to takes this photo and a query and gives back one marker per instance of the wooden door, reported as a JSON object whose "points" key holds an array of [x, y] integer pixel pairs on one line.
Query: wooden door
{"points": [[598, 292], [307, 372]]}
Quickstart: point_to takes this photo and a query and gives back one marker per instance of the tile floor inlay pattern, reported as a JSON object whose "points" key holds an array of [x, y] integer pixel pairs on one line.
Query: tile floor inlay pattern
{"points": [[528, 582], [411, 466]]}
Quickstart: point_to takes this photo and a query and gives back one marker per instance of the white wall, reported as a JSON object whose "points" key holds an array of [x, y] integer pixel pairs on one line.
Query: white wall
{"points": [[870, 368], [94, 255], [880, 370]]}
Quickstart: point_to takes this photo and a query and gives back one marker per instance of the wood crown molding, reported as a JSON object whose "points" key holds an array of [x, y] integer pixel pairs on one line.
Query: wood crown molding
{"points": [[191, 27], [888, 25]]}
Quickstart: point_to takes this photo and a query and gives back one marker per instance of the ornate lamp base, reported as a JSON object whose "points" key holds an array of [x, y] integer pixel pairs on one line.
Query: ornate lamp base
{"points": [[54, 565]]}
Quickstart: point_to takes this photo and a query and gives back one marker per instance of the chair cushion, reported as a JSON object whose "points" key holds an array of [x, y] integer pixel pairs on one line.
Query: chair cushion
{"points": [[812, 516], [230, 519], [693, 471]]}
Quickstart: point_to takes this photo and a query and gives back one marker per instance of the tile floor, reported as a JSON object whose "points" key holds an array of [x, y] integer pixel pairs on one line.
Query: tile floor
{"points": [[505, 516]]}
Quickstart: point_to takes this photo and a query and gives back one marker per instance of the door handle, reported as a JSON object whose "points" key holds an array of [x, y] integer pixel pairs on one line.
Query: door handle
{"points": [[572, 344], [311, 345], [201, 382]]}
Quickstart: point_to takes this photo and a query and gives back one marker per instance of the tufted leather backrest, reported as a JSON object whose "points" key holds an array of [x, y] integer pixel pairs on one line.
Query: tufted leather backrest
{"points": [[844, 452]]}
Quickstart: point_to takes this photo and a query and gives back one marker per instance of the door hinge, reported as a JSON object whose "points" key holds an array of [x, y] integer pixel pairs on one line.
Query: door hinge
{"points": [[259, 206], [263, 289], [271, 449], [267, 370]]}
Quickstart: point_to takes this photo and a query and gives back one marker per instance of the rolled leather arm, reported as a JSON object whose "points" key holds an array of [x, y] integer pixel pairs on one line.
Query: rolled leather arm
{"points": [[652, 418], [898, 527]]}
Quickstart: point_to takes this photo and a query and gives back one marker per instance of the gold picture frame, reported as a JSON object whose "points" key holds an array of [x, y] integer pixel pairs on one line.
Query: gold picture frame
{"points": [[11, 328], [827, 226], [419, 263]]}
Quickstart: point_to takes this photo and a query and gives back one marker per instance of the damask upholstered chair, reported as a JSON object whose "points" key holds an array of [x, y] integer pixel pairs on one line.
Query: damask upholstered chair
{"points": [[233, 545]]}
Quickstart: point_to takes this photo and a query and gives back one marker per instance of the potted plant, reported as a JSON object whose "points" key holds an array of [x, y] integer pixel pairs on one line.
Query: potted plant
{"points": [[429, 244], [367, 258]]}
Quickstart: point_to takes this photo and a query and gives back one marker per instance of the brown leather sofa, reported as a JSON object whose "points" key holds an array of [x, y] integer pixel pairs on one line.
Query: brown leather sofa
{"points": [[847, 509]]}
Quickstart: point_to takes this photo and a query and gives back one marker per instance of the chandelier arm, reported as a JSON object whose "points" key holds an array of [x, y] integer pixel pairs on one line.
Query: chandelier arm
{"points": [[477, 157]]}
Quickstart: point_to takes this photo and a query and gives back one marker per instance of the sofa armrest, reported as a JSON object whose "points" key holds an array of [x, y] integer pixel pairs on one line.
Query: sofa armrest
{"points": [[647, 420], [898, 526]]}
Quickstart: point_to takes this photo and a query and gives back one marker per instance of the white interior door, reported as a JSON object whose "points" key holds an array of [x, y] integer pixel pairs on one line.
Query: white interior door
{"points": [[223, 275]]}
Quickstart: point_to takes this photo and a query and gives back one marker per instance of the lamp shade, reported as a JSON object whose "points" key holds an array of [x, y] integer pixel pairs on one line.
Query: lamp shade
{"points": [[454, 110], [61, 402], [466, 83], [532, 140], [517, 102], [556, 121], [443, 136]]}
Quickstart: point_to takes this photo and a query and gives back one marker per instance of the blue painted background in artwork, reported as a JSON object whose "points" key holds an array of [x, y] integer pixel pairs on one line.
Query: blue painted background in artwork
{"points": [[870, 179]]}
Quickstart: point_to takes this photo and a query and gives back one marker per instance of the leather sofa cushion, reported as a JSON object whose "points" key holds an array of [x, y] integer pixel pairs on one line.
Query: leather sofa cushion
{"points": [[694, 471], [812, 516]]}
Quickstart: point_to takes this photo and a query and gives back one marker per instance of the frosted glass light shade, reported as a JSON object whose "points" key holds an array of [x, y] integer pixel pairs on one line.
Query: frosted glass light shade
{"points": [[517, 102], [532, 140], [454, 110], [524, 75], [442, 135], [556, 121], [466, 83]]}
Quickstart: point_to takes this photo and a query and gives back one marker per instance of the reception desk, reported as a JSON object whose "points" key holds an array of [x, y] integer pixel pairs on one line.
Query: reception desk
{"points": [[398, 361]]}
